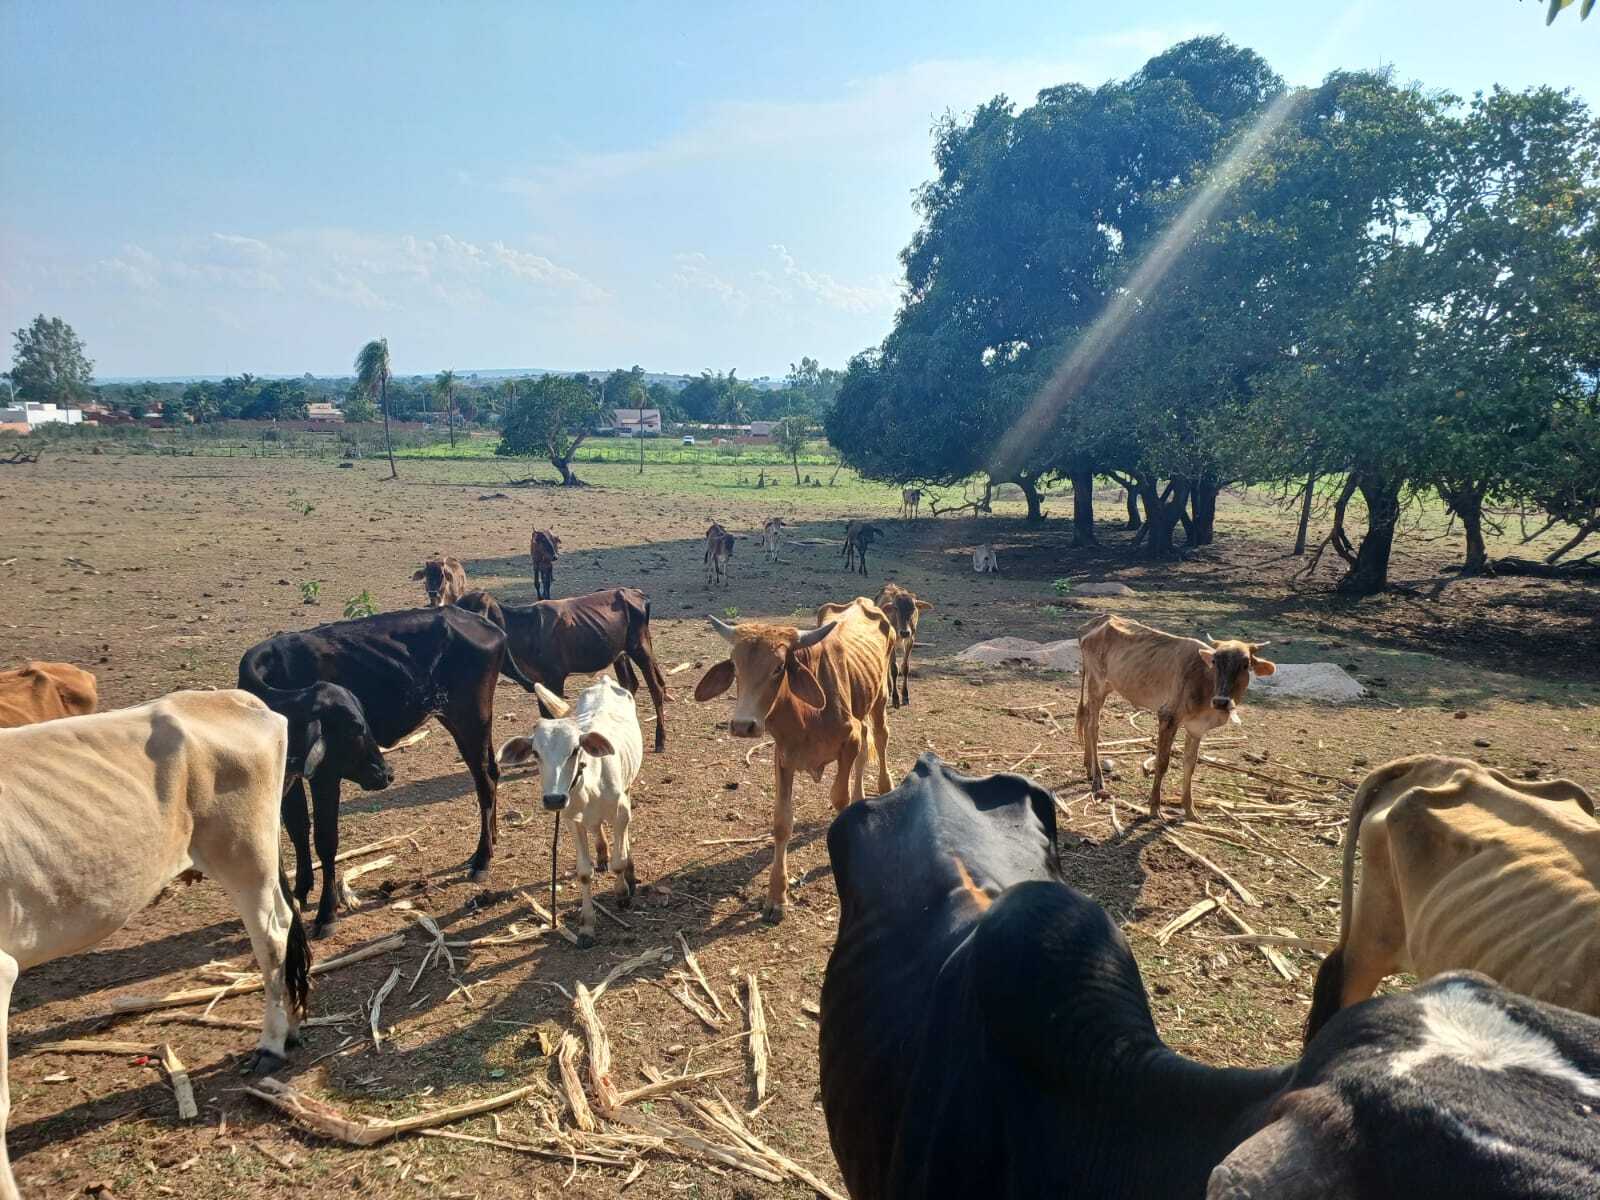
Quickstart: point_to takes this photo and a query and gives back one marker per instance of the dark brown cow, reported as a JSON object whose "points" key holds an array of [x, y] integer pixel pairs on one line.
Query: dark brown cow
{"points": [[815, 696], [542, 549], [858, 536], [552, 639], [1186, 683], [904, 610], [444, 579], [44, 691], [719, 549]]}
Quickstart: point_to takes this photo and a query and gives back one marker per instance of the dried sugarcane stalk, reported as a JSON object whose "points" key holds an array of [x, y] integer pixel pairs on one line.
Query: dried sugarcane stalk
{"points": [[693, 964], [323, 1118], [756, 1018], [567, 1063]]}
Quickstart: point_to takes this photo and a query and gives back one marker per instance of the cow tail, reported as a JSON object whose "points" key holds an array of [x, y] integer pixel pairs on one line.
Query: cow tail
{"points": [[509, 668], [297, 955], [1083, 708]]}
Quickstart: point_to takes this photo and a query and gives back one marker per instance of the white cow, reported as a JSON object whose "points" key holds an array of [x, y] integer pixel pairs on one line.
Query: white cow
{"points": [[587, 763], [772, 537], [99, 813], [985, 561]]}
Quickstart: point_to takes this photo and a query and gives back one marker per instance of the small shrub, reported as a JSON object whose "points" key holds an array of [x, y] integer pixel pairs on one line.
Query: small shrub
{"points": [[1062, 585], [360, 606], [731, 613], [309, 591]]}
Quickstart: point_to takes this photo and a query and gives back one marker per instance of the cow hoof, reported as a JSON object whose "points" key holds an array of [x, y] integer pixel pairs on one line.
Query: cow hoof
{"points": [[585, 941], [625, 899], [477, 874], [321, 929], [772, 914], [293, 1041], [262, 1062], [1102, 793]]}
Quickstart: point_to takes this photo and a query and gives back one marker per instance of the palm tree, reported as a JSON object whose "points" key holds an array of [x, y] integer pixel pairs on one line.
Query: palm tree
{"points": [[445, 385], [372, 377]]}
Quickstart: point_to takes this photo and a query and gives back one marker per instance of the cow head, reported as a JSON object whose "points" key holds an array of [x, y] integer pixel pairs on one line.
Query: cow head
{"points": [[867, 534], [762, 659], [1232, 664], [559, 748], [432, 575], [329, 735]]}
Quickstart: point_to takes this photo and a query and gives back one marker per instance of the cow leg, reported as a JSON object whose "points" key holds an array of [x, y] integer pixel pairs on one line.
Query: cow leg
{"points": [[1166, 731], [8, 978], [847, 781], [297, 822], [1191, 756], [252, 884], [472, 738], [1090, 703], [894, 680], [602, 849], [905, 673], [622, 867], [880, 746], [585, 887], [325, 819], [625, 674], [644, 654], [782, 830]]}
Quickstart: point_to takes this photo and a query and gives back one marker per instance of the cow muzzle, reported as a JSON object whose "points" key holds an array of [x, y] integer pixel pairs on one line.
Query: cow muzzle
{"points": [[555, 803], [1225, 703], [375, 780], [744, 728], [434, 601]]}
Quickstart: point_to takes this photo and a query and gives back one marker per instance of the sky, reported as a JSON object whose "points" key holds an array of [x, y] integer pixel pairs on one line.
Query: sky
{"points": [[210, 188]]}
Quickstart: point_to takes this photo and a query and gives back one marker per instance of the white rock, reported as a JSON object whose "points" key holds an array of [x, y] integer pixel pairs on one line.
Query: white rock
{"points": [[1058, 656], [1107, 588], [1307, 681]]}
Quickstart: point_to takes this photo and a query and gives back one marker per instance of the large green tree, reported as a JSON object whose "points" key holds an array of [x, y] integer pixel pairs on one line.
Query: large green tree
{"points": [[444, 386], [373, 376], [48, 364], [549, 418]]}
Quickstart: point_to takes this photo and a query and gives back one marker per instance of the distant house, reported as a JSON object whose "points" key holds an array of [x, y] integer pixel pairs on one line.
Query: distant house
{"points": [[637, 421], [30, 414], [761, 431], [322, 410]]}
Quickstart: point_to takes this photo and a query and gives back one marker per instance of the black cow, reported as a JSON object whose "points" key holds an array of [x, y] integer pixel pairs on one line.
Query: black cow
{"points": [[1004, 1047], [551, 639], [349, 687]]}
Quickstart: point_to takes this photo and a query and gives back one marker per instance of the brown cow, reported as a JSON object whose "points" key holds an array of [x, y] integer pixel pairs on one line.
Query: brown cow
{"points": [[43, 691], [719, 549], [904, 610], [551, 639], [858, 537], [813, 693], [1186, 683], [542, 548], [1467, 868], [444, 578]]}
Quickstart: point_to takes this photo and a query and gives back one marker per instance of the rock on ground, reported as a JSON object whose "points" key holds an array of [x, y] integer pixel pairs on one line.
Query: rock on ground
{"points": [[1308, 681], [1104, 588], [1058, 656]]}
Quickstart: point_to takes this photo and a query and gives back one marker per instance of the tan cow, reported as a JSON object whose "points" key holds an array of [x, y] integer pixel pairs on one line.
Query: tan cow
{"points": [[719, 549], [910, 502], [444, 579], [101, 813], [904, 610], [772, 537], [542, 549], [1467, 868], [815, 693], [1188, 684], [44, 691]]}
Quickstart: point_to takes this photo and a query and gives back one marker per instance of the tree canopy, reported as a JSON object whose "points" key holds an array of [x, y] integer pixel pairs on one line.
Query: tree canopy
{"points": [[48, 364], [549, 418]]}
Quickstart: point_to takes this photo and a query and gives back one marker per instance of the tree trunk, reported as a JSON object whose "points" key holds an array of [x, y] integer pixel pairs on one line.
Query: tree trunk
{"points": [[794, 457], [1083, 508], [1163, 511], [1369, 574], [383, 397], [450, 418], [1305, 514], [1203, 498], [568, 479], [1030, 493], [1466, 502], [1132, 497]]}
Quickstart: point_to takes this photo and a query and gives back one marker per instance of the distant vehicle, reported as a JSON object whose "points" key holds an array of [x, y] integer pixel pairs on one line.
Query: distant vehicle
{"points": [[688, 439], [624, 433]]}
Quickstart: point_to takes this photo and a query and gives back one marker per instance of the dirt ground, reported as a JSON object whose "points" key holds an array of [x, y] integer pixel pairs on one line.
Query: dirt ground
{"points": [[158, 573]]}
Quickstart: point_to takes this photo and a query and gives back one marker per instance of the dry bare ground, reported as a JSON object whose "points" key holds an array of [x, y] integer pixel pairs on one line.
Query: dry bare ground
{"points": [[157, 573]]}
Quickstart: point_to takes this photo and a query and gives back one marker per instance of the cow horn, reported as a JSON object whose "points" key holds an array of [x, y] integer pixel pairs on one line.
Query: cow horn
{"points": [[1254, 646], [812, 636], [551, 701], [727, 631]]}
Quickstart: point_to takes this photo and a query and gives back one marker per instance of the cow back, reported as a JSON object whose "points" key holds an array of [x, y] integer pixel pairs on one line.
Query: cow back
{"points": [[852, 663], [45, 691]]}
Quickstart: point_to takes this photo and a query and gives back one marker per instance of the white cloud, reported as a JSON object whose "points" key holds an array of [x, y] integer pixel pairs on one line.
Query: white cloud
{"points": [[693, 273], [879, 296]]}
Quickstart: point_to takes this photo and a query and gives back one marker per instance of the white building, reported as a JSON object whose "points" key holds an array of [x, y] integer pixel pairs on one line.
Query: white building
{"points": [[636, 421], [32, 413]]}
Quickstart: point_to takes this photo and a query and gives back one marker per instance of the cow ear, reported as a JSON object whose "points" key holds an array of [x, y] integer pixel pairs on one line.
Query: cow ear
{"points": [[923, 605], [418, 574], [597, 744], [715, 681], [515, 753], [307, 751], [1262, 666], [803, 684], [1207, 655]]}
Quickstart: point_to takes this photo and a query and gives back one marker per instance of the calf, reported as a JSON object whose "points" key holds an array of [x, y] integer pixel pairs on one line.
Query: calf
{"points": [[542, 549], [1188, 684], [772, 537], [552, 639], [985, 1032], [1465, 867], [45, 691], [814, 695], [719, 549], [444, 579], [102, 812], [587, 763], [910, 501], [904, 610], [985, 561], [858, 538], [393, 671]]}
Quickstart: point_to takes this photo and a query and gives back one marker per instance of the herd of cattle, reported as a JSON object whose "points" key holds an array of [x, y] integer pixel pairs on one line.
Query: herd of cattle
{"points": [[985, 1029]]}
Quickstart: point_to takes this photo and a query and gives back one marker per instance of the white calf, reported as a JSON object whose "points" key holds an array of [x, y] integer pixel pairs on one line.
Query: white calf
{"points": [[985, 561], [772, 537], [587, 763], [99, 813]]}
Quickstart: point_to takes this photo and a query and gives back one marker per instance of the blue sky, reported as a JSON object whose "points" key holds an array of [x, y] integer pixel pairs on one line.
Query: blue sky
{"points": [[214, 188]]}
